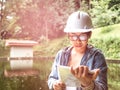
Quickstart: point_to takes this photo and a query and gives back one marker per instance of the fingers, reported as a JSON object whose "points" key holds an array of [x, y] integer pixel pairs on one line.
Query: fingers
{"points": [[72, 70], [83, 71], [96, 73], [77, 70], [80, 71], [59, 85], [83, 74]]}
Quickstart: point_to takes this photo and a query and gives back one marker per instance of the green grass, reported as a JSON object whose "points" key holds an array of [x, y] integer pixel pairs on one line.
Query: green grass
{"points": [[105, 38], [112, 31], [50, 48]]}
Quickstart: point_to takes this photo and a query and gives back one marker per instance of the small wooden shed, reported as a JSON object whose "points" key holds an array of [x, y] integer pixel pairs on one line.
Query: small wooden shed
{"points": [[20, 50]]}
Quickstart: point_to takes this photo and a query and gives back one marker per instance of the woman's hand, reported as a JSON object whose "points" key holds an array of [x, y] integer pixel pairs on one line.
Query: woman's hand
{"points": [[82, 73], [59, 85]]}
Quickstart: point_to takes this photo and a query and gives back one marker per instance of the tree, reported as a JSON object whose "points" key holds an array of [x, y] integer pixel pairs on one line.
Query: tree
{"points": [[31, 19], [8, 18], [46, 18], [102, 14]]}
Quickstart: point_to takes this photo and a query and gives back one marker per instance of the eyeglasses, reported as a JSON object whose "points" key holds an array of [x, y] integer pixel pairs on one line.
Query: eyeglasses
{"points": [[82, 37]]}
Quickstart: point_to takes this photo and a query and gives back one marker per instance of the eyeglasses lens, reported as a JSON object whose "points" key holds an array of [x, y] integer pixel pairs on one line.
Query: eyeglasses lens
{"points": [[80, 37], [83, 37]]}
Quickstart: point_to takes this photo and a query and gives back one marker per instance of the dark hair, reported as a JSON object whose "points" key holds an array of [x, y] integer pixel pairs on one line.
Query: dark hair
{"points": [[89, 33]]}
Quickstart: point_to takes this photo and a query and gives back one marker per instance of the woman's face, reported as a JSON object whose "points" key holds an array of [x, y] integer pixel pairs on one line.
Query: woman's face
{"points": [[79, 40]]}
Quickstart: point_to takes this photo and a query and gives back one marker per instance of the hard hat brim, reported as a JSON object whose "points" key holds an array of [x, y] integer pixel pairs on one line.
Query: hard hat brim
{"points": [[77, 30]]}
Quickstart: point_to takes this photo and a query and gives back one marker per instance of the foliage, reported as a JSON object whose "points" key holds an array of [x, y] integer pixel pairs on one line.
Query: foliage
{"points": [[8, 19], [106, 39], [50, 48], [35, 18], [32, 19], [109, 47], [114, 3], [4, 51], [113, 76], [105, 12]]}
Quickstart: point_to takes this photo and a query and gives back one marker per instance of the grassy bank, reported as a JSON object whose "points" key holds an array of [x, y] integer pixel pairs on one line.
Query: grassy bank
{"points": [[105, 38]]}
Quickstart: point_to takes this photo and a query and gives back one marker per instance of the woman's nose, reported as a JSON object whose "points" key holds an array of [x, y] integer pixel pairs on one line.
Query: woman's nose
{"points": [[78, 41]]}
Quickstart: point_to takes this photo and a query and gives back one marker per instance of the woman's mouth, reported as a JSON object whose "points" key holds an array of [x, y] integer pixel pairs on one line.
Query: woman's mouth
{"points": [[78, 45]]}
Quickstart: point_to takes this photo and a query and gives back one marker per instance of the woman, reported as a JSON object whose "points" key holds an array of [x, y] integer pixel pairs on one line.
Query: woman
{"points": [[81, 57]]}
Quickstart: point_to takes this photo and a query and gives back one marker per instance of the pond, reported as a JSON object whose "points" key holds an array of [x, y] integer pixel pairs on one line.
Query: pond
{"points": [[39, 81], [25, 82]]}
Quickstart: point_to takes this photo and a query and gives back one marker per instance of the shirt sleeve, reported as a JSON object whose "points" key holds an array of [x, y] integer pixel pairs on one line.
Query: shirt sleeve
{"points": [[99, 62], [53, 77]]}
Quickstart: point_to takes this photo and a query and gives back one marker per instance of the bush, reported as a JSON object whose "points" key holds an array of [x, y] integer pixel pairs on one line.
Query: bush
{"points": [[103, 13], [113, 76], [4, 51], [109, 47]]}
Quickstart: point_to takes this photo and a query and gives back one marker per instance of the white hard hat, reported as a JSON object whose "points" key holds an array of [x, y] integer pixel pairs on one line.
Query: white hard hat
{"points": [[79, 22]]}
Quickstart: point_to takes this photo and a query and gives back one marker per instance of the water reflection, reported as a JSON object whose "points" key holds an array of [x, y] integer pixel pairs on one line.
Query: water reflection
{"points": [[25, 82]]}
